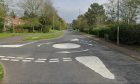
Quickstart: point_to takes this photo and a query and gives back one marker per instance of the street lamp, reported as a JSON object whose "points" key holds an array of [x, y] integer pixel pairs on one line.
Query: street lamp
{"points": [[118, 29]]}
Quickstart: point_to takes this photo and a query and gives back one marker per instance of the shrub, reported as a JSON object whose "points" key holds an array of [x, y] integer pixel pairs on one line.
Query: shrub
{"points": [[1, 24], [129, 34], [46, 29]]}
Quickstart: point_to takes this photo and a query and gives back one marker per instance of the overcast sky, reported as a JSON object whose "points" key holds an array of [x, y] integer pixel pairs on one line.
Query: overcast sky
{"points": [[67, 9]]}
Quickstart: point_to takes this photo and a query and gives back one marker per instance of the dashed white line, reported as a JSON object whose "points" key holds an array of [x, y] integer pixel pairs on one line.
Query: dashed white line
{"points": [[2, 56], [39, 61], [10, 57], [26, 60], [19, 58], [54, 61], [66, 58], [4, 59], [29, 58], [90, 44], [14, 60]]}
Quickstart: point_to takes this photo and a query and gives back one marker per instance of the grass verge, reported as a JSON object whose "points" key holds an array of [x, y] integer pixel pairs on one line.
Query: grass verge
{"points": [[41, 36], [8, 35], [1, 72]]}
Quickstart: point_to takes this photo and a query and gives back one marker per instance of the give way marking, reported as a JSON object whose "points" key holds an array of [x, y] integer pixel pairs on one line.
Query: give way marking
{"points": [[97, 65]]}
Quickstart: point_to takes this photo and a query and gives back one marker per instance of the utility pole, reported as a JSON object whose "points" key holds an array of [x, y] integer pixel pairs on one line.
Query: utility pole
{"points": [[118, 29]]}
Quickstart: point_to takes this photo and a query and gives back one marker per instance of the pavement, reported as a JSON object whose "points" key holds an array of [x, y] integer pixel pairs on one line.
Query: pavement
{"points": [[72, 59]]}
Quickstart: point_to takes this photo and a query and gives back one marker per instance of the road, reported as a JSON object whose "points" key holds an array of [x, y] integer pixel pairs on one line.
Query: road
{"points": [[72, 59]]}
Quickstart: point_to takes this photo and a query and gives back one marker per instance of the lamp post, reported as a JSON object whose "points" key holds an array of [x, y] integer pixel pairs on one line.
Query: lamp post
{"points": [[118, 29]]}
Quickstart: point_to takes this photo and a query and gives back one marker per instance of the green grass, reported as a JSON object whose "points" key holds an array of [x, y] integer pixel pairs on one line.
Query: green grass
{"points": [[1, 72], [33, 36], [41, 36], [8, 35]]}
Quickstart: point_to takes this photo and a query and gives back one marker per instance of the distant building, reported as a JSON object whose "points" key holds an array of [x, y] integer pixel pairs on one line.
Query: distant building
{"points": [[13, 21]]}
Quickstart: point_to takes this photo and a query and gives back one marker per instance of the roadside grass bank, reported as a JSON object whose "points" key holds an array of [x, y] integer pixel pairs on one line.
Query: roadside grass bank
{"points": [[41, 36], [1, 72], [8, 35]]}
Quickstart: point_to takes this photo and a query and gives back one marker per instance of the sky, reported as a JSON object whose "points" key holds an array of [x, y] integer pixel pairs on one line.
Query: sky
{"points": [[70, 9], [67, 9]]}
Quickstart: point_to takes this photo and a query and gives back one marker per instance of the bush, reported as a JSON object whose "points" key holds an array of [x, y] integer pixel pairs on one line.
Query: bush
{"points": [[129, 34], [1, 24], [28, 28], [46, 29]]}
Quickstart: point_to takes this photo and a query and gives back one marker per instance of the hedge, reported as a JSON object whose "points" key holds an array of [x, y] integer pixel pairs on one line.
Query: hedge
{"points": [[129, 34]]}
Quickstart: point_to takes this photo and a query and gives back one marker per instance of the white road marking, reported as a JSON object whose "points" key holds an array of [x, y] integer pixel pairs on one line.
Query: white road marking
{"points": [[19, 58], [75, 39], [17, 45], [97, 65], [67, 52], [10, 46], [45, 43], [54, 61], [67, 60], [39, 61], [10, 57], [2, 56], [90, 44], [14, 60], [66, 46], [4, 59], [26, 60], [29, 58]]}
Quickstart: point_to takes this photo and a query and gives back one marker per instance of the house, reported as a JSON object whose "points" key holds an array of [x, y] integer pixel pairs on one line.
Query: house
{"points": [[13, 21]]}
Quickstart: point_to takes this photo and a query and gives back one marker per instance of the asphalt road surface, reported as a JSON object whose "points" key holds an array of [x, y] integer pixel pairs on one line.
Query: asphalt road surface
{"points": [[72, 59]]}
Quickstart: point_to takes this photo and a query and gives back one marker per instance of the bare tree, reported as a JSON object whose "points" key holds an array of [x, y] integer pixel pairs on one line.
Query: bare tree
{"points": [[32, 7], [111, 10], [129, 10]]}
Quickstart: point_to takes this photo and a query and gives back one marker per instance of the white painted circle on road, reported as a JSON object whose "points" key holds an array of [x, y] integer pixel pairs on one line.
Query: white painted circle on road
{"points": [[66, 46]]}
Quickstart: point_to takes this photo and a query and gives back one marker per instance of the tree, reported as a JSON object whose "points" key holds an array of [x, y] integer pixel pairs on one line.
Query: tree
{"points": [[95, 14], [12, 14], [111, 11], [129, 10], [3, 13], [32, 7]]}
